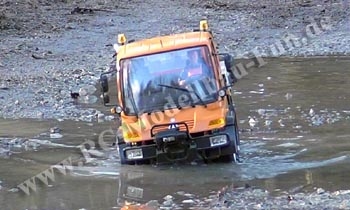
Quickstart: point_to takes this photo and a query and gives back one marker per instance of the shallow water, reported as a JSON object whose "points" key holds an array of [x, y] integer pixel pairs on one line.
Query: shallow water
{"points": [[299, 141]]}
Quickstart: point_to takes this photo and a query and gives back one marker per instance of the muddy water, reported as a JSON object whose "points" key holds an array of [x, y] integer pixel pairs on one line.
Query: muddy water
{"points": [[299, 140]]}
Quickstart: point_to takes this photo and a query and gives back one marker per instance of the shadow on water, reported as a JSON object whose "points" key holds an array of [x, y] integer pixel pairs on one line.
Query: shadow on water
{"points": [[298, 141]]}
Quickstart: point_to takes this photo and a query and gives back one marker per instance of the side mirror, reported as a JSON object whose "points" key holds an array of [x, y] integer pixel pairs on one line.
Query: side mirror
{"points": [[230, 65], [104, 83]]}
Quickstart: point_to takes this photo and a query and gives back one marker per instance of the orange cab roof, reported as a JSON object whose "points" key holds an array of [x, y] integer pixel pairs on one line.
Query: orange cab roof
{"points": [[163, 43]]}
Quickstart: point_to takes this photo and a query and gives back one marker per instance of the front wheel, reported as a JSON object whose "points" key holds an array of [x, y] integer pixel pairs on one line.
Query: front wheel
{"points": [[234, 136], [229, 158], [122, 157]]}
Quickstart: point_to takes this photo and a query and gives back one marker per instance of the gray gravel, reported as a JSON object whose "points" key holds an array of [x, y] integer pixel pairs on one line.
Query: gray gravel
{"points": [[260, 199], [45, 57]]}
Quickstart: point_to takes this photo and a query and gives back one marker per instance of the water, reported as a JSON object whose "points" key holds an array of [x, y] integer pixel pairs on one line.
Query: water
{"points": [[298, 141]]}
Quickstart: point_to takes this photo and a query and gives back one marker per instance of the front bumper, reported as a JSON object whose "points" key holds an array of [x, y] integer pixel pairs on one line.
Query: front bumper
{"points": [[208, 146]]}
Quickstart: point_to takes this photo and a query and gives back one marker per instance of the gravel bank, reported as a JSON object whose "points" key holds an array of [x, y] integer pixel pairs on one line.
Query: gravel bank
{"points": [[62, 46]]}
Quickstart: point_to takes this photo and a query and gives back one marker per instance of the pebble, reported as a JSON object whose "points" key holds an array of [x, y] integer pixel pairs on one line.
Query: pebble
{"points": [[55, 135], [344, 192], [13, 190], [180, 193], [261, 111], [168, 203], [188, 195], [152, 203], [311, 112], [168, 197], [320, 191], [55, 130], [188, 201]]}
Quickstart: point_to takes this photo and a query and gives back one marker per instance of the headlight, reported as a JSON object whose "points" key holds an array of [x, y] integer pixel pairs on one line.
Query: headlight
{"points": [[218, 140], [130, 135], [222, 93]]}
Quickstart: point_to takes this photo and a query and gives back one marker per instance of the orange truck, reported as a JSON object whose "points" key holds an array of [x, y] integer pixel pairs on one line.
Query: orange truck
{"points": [[174, 99]]}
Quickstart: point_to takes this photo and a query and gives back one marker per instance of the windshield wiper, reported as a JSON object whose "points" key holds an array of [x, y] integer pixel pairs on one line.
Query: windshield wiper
{"points": [[185, 90]]}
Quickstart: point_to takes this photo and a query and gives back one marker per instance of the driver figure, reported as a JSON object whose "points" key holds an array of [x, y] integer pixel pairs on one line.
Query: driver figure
{"points": [[195, 66]]}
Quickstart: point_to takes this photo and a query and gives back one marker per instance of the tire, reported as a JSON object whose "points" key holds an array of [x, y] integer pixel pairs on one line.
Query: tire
{"points": [[233, 157], [228, 158], [120, 146], [238, 142], [122, 157]]}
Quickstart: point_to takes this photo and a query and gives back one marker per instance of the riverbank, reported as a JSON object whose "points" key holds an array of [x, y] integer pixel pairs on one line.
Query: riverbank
{"points": [[60, 46]]}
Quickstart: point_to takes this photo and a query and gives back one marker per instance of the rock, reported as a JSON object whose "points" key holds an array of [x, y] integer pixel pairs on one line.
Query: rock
{"points": [[188, 195], [40, 115], [153, 204], [268, 123], [55, 130], [83, 92], [181, 193], [13, 190], [188, 201], [288, 96], [168, 203], [56, 135], [100, 116], [320, 191], [261, 111], [344, 192], [87, 90], [109, 118], [252, 121], [311, 112], [168, 197], [88, 99]]}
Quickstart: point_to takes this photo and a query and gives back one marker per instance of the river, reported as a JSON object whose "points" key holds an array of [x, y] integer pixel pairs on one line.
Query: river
{"points": [[299, 141]]}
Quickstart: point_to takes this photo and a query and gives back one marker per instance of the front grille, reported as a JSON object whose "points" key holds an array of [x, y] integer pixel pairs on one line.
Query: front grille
{"points": [[182, 127]]}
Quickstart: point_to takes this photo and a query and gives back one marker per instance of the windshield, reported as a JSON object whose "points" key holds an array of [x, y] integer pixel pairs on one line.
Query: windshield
{"points": [[168, 80]]}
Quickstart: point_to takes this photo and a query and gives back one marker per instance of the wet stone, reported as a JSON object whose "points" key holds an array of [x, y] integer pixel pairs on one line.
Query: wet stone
{"points": [[188, 201], [55, 130], [55, 135], [168, 203]]}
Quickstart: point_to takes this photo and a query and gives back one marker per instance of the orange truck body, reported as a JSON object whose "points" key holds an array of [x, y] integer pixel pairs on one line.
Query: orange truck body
{"points": [[192, 122]]}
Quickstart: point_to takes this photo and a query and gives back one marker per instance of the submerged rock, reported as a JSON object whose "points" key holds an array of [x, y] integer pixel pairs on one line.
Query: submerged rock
{"points": [[55, 135]]}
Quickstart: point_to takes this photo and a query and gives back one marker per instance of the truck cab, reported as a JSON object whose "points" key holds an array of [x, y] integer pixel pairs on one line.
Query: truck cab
{"points": [[174, 99]]}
